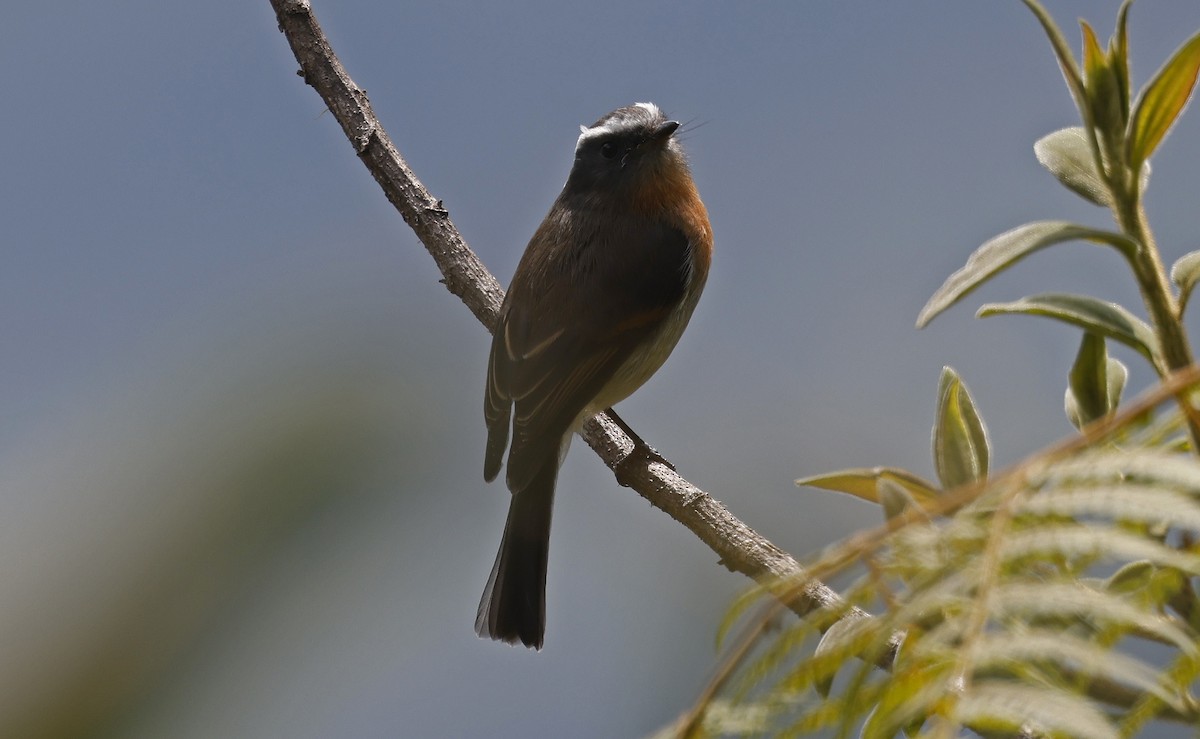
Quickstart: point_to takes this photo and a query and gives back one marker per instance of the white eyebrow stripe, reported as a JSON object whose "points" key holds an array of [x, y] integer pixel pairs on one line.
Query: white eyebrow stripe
{"points": [[613, 125], [591, 133], [650, 108]]}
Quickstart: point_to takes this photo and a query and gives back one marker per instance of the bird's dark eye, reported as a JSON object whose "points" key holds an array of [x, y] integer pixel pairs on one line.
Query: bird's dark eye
{"points": [[609, 150]]}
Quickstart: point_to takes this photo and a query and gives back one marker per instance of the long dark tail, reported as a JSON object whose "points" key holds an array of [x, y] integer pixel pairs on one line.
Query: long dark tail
{"points": [[513, 607]]}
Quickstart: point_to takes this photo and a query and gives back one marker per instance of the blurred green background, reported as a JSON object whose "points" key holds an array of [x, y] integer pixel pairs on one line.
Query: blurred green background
{"points": [[241, 440]]}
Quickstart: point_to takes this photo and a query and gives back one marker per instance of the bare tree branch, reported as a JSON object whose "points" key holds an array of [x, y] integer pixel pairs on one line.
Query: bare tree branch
{"points": [[464, 275]]}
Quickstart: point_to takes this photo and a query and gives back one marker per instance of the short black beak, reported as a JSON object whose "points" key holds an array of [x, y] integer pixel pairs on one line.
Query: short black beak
{"points": [[664, 131]]}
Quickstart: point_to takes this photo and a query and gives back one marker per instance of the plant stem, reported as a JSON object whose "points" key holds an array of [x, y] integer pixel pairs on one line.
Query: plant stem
{"points": [[1156, 294]]}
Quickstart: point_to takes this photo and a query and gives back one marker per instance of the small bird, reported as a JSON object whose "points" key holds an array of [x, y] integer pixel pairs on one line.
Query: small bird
{"points": [[601, 296]]}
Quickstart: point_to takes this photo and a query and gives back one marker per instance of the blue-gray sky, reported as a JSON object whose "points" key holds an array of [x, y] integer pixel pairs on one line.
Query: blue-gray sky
{"points": [[192, 251]]}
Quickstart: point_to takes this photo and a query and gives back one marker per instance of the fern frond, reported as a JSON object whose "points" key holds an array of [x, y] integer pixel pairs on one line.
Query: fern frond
{"points": [[1006, 706], [1007, 627]]}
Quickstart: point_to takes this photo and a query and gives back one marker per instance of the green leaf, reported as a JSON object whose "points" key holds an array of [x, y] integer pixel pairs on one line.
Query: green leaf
{"points": [[1092, 540], [1162, 100], [1156, 467], [1145, 504], [1118, 54], [863, 482], [1103, 87], [1149, 584], [960, 445], [1093, 55], [1095, 382], [1005, 706], [894, 498], [1006, 249], [906, 701], [1082, 655], [1071, 600], [1091, 314], [1088, 377], [842, 639], [1117, 375], [1068, 156], [1062, 51], [737, 610], [1131, 577], [1185, 273]]}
